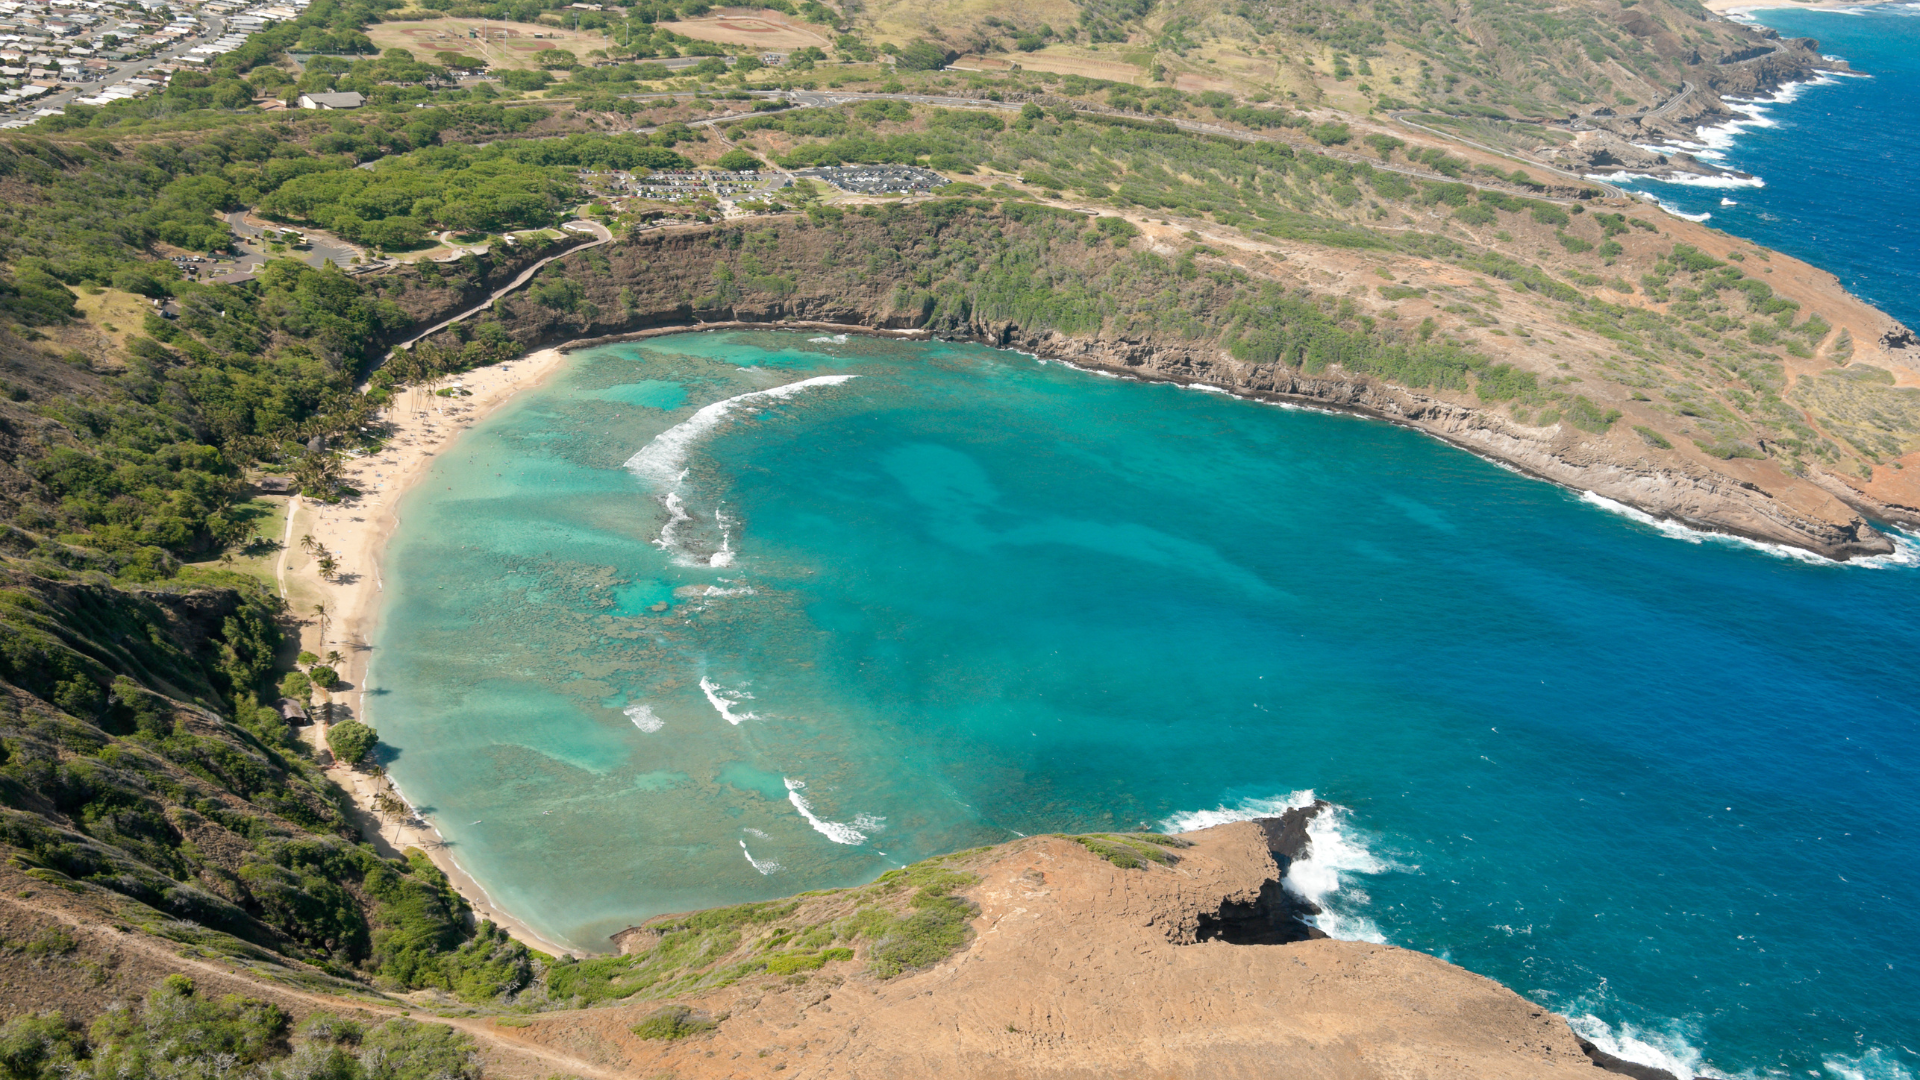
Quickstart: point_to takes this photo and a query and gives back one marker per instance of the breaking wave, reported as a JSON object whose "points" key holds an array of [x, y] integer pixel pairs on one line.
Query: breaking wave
{"points": [[837, 831], [1328, 875], [662, 464], [723, 700], [1906, 548], [643, 718], [765, 866], [664, 459]]}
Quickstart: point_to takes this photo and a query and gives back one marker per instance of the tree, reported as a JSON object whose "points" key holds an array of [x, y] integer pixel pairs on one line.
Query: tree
{"points": [[326, 619], [328, 566], [334, 658], [387, 804], [323, 676], [738, 161], [350, 741], [309, 545]]}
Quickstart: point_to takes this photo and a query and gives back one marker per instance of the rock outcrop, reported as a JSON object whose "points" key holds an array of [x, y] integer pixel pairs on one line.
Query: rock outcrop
{"points": [[1079, 968]]}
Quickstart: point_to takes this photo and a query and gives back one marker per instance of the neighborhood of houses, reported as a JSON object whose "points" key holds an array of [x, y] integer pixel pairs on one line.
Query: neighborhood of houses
{"points": [[94, 52]]}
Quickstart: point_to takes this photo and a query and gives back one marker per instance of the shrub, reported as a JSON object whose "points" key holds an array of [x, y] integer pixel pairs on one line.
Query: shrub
{"points": [[1733, 448], [323, 676], [1652, 438], [350, 741], [296, 686], [1587, 416], [929, 934], [1384, 145], [792, 963], [921, 56], [1331, 134], [673, 1022]]}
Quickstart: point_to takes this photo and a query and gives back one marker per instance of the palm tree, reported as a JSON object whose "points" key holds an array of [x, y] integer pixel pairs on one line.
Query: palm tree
{"points": [[326, 619], [385, 803], [309, 545], [334, 658], [328, 567]]}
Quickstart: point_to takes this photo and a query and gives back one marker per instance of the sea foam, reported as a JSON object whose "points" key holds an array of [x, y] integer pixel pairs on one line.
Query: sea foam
{"points": [[662, 463], [765, 866], [1336, 852], [664, 459], [837, 831], [1669, 1051], [723, 700], [1906, 549], [643, 718]]}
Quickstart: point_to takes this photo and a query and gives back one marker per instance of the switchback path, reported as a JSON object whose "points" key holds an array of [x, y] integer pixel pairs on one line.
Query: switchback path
{"points": [[602, 236]]}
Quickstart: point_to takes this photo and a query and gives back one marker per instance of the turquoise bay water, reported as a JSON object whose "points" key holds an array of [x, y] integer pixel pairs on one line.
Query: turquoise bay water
{"points": [[952, 595]]}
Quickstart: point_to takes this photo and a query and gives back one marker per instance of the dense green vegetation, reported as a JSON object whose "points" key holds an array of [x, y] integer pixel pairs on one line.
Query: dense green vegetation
{"points": [[200, 805], [179, 1034]]}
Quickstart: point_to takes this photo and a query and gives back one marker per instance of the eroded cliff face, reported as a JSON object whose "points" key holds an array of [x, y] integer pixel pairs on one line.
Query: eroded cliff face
{"points": [[884, 273]]}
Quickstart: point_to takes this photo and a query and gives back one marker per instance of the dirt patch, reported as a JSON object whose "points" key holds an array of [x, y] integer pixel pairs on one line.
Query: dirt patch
{"points": [[760, 29], [501, 44], [1064, 61]]}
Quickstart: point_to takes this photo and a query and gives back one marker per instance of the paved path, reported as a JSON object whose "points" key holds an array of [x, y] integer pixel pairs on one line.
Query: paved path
{"points": [[601, 236]]}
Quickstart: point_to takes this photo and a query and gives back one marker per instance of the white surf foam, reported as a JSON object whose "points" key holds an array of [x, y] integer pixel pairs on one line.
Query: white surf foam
{"points": [[1669, 1051], [1679, 213], [664, 458], [643, 718], [1875, 1064], [1906, 553], [662, 463], [1326, 876], [723, 700], [1906, 549], [836, 339], [765, 866], [1244, 810], [723, 557], [837, 831], [1685, 179]]}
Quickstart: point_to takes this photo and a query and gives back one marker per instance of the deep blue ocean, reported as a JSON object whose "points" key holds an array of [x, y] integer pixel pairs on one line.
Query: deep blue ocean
{"points": [[719, 617], [1838, 168]]}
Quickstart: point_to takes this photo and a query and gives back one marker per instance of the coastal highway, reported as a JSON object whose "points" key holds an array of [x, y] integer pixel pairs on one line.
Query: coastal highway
{"points": [[1674, 102], [600, 234]]}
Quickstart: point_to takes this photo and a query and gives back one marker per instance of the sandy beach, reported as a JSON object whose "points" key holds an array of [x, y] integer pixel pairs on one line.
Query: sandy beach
{"points": [[355, 532]]}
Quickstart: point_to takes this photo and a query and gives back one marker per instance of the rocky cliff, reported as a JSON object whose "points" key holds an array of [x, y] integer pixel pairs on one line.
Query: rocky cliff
{"points": [[1148, 311]]}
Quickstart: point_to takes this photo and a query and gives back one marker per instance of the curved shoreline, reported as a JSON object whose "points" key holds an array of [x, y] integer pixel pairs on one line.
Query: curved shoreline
{"points": [[1430, 416], [357, 532]]}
